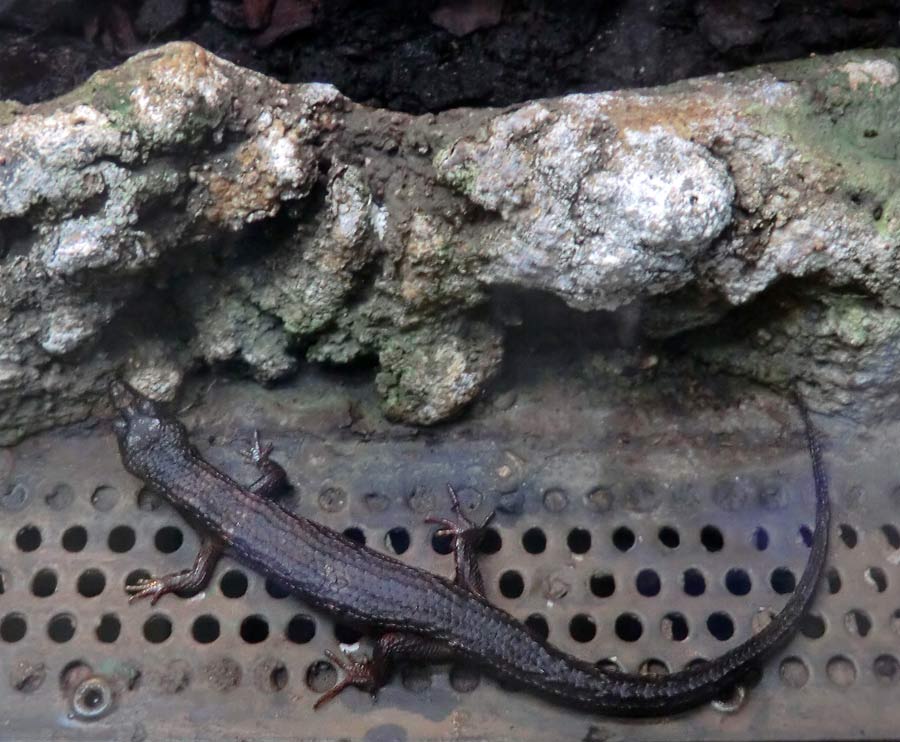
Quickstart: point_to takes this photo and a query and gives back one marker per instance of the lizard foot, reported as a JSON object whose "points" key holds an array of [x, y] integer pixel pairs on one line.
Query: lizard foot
{"points": [[257, 453], [463, 525], [151, 587], [362, 674]]}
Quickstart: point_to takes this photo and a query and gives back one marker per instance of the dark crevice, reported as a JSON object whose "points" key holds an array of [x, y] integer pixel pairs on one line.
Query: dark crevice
{"points": [[391, 54]]}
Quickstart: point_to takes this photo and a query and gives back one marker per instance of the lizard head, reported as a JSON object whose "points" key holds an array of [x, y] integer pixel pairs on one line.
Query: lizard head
{"points": [[141, 424]]}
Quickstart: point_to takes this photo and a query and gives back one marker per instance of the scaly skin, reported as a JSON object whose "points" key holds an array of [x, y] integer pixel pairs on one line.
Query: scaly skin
{"points": [[368, 589]]}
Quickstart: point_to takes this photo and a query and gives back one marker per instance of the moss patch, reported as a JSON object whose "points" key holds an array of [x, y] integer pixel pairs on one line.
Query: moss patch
{"points": [[848, 115]]}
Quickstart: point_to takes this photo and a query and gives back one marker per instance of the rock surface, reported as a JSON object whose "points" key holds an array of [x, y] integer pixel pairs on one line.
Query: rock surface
{"points": [[179, 211]]}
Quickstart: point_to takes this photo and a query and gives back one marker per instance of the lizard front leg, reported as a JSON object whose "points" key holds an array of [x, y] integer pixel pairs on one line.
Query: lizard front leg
{"points": [[371, 674], [190, 581], [273, 479], [185, 582], [466, 537]]}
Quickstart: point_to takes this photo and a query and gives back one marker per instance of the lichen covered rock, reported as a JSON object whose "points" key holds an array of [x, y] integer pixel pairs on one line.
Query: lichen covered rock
{"points": [[592, 213], [181, 212]]}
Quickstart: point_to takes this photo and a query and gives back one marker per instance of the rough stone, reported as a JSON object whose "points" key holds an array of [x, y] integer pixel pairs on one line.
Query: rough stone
{"points": [[624, 217], [179, 211]]}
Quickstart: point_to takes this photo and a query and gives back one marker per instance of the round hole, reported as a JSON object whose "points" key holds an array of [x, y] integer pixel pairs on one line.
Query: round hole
{"points": [[92, 699], [254, 629], [629, 627], [91, 583], [121, 539], [74, 539], [711, 538], [534, 541], [653, 667], [761, 618], [397, 540], [356, 535], [674, 626], [603, 585], [205, 629], [555, 499], [694, 582], [623, 538], [300, 629], [876, 577], [376, 502], [105, 498], [511, 584], [833, 578], [891, 535], [346, 634], [321, 676], [720, 626], [415, 678], [278, 677], [168, 539], [60, 497], [582, 628], [669, 537], [464, 679], [608, 665], [109, 628], [812, 626], [13, 627], [841, 671], [783, 581], [648, 583], [44, 583], [14, 497], [61, 627], [761, 539], [157, 628], [793, 672], [737, 581], [491, 542], [857, 623], [28, 538], [233, 584], [442, 543], [579, 540], [730, 699], [886, 669], [148, 500], [806, 536], [276, 589], [223, 674], [538, 626], [848, 535]]}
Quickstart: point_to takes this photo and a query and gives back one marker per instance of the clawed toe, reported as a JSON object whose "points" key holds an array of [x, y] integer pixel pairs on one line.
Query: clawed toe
{"points": [[356, 673], [152, 588], [465, 524], [258, 453]]}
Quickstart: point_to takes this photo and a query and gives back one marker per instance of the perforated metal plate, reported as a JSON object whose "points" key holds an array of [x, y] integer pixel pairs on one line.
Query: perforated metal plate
{"points": [[644, 541]]}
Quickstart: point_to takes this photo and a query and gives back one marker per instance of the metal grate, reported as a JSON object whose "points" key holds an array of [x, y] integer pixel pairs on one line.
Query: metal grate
{"points": [[649, 573]]}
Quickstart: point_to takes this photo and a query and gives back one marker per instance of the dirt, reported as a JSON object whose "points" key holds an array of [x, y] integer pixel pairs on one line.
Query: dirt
{"points": [[395, 56]]}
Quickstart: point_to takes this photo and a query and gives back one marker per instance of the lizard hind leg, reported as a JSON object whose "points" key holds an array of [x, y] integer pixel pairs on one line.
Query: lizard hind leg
{"points": [[371, 674]]}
